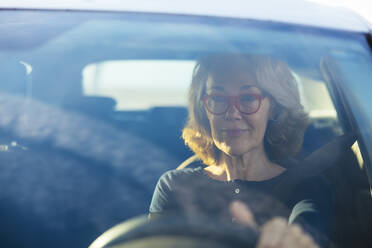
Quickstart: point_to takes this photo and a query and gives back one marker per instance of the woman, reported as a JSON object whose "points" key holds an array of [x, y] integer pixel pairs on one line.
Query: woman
{"points": [[245, 122]]}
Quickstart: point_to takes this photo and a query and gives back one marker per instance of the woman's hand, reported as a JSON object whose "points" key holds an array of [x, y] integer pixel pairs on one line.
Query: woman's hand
{"points": [[276, 233]]}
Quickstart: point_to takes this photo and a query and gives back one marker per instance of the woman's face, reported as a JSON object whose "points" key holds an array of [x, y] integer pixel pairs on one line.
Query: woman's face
{"points": [[233, 132]]}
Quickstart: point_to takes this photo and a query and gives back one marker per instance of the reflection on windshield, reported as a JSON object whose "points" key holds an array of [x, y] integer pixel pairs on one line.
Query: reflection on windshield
{"points": [[99, 101]]}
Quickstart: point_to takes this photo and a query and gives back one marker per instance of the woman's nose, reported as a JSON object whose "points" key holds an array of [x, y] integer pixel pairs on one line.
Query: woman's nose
{"points": [[233, 112]]}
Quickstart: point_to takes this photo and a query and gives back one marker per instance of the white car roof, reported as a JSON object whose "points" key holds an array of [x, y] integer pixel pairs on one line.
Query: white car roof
{"points": [[300, 12]]}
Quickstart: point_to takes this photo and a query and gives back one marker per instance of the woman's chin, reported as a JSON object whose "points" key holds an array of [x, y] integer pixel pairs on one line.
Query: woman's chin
{"points": [[236, 147], [236, 152]]}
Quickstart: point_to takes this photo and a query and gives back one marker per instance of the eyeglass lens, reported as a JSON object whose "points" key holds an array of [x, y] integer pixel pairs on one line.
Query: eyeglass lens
{"points": [[219, 104]]}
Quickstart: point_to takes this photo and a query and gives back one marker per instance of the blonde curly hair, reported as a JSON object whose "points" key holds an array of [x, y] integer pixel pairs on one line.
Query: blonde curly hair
{"points": [[285, 131]]}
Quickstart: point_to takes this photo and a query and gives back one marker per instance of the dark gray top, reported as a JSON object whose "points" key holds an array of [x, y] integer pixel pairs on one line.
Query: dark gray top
{"points": [[192, 193]]}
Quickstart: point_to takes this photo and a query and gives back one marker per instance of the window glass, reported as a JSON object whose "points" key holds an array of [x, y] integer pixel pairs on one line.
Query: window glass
{"points": [[139, 84], [93, 105], [354, 76]]}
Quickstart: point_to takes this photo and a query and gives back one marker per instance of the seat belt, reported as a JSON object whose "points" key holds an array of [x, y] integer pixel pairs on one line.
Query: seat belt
{"points": [[314, 164]]}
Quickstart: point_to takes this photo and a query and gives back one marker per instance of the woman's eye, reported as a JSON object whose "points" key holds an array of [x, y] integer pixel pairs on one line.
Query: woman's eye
{"points": [[218, 98], [247, 98]]}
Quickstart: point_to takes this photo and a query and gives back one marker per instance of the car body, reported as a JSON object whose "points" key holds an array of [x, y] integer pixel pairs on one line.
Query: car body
{"points": [[82, 148]]}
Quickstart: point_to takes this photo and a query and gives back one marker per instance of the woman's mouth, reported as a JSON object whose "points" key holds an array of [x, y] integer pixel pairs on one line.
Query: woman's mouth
{"points": [[234, 132]]}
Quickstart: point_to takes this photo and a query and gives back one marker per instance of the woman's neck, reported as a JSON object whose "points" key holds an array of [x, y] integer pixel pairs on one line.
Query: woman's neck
{"points": [[252, 166]]}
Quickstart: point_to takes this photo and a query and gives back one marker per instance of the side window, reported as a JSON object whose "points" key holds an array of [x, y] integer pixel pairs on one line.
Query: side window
{"points": [[351, 75], [324, 124]]}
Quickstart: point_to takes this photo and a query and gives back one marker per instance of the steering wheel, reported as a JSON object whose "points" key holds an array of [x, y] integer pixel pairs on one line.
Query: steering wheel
{"points": [[172, 231]]}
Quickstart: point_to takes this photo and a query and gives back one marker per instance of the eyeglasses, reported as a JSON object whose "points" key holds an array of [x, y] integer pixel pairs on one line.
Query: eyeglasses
{"points": [[219, 104]]}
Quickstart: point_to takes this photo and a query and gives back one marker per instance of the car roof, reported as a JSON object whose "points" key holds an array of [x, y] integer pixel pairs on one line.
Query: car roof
{"points": [[300, 12]]}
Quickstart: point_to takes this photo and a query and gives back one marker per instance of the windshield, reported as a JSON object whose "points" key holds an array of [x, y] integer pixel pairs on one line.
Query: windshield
{"points": [[94, 105]]}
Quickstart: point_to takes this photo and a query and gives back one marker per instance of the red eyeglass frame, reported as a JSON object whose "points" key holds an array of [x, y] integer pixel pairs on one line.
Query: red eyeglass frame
{"points": [[233, 100]]}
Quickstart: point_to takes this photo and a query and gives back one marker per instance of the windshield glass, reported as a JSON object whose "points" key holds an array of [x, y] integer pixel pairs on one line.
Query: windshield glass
{"points": [[94, 106]]}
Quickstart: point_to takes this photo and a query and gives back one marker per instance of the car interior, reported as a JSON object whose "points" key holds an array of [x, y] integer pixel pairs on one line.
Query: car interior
{"points": [[74, 163]]}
